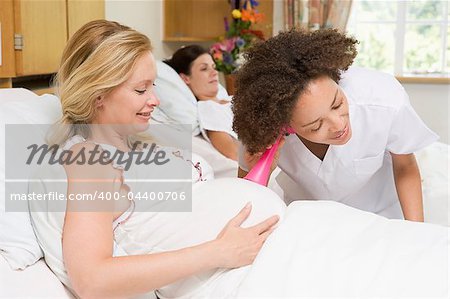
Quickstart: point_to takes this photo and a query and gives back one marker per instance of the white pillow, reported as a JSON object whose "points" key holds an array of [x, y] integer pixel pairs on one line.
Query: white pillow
{"points": [[18, 242], [178, 103]]}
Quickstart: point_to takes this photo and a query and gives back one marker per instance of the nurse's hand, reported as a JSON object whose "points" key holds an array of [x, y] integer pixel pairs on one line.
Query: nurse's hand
{"points": [[251, 160], [237, 246]]}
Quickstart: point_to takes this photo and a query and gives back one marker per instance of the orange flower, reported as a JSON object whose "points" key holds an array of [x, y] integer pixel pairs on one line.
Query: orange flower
{"points": [[218, 55], [251, 15], [258, 17], [247, 16]]}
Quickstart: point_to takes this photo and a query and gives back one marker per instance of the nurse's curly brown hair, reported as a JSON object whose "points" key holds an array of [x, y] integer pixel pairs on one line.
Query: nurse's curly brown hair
{"points": [[277, 72]]}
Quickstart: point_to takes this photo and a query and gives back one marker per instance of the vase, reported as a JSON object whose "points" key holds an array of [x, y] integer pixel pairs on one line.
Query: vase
{"points": [[230, 80]]}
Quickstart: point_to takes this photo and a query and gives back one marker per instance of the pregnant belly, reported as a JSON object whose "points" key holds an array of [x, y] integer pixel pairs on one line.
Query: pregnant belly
{"points": [[214, 203]]}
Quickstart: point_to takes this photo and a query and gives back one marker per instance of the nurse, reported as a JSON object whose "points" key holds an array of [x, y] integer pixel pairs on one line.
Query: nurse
{"points": [[356, 132]]}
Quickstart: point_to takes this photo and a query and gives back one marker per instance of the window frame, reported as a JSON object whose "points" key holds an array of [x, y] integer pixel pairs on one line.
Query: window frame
{"points": [[400, 23]]}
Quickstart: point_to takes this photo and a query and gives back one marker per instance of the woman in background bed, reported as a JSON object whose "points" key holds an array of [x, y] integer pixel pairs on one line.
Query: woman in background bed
{"points": [[197, 69], [106, 77]]}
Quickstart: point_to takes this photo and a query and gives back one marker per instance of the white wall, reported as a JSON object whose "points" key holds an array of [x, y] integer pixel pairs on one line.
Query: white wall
{"points": [[429, 100], [145, 16]]}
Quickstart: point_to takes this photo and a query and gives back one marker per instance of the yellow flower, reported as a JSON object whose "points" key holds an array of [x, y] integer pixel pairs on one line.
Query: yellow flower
{"points": [[236, 13]]}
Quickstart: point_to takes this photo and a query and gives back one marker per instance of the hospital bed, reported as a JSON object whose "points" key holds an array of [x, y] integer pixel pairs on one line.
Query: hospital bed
{"points": [[37, 280]]}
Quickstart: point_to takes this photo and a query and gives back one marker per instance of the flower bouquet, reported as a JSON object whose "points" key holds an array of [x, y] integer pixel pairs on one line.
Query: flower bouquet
{"points": [[227, 53]]}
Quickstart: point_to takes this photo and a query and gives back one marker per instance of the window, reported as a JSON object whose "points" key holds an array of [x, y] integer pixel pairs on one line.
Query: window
{"points": [[406, 38]]}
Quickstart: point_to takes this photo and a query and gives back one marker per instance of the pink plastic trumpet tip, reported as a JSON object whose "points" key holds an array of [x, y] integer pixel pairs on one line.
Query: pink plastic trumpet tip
{"points": [[261, 171], [289, 130]]}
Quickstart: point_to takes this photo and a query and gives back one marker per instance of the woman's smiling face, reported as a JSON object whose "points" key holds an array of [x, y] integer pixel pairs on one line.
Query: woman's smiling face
{"points": [[321, 114], [132, 102]]}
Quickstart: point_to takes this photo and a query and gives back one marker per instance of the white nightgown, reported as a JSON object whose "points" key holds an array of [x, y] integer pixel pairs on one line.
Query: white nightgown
{"points": [[142, 231]]}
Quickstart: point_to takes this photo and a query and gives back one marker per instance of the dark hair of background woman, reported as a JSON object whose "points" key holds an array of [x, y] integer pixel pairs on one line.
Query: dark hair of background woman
{"points": [[277, 72], [182, 59]]}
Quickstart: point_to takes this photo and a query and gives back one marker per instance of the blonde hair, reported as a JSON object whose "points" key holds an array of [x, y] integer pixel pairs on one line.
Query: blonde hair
{"points": [[96, 59]]}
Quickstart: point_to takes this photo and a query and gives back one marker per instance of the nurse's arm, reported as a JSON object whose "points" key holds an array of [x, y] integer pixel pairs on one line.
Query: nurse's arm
{"points": [[408, 185]]}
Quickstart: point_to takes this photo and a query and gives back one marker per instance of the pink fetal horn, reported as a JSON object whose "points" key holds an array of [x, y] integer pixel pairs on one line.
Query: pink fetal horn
{"points": [[261, 171]]}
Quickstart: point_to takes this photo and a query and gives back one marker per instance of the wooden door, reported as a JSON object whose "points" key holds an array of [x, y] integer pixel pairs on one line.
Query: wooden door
{"points": [[7, 63], [43, 26], [81, 11]]}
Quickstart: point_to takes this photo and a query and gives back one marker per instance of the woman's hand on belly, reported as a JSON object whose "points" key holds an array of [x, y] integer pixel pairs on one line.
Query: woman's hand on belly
{"points": [[237, 246]]}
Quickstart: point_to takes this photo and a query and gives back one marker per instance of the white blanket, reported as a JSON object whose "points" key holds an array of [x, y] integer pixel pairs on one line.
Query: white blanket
{"points": [[326, 249]]}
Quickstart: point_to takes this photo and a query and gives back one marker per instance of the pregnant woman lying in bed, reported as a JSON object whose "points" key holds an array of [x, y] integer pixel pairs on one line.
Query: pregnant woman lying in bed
{"points": [[105, 85], [197, 69], [122, 248]]}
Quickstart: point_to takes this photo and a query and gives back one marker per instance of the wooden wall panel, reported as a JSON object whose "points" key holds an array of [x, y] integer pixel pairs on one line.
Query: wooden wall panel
{"points": [[79, 12], [43, 25], [7, 67], [203, 20]]}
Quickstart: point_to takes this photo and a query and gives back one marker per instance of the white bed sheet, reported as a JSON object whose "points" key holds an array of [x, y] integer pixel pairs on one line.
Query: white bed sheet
{"points": [[327, 249], [434, 164], [35, 281], [40, 281]]}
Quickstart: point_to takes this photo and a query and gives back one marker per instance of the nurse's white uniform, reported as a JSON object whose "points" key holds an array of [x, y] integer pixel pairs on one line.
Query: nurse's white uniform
{"points": [[359, 173]]}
